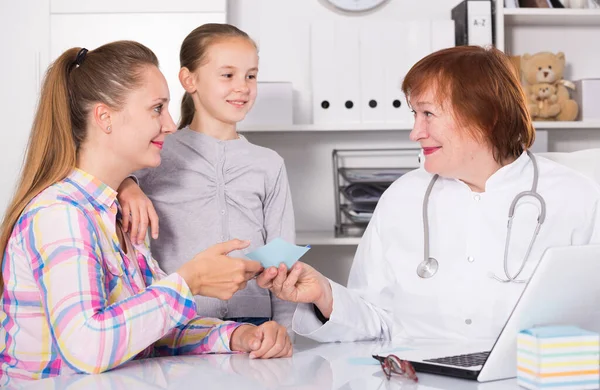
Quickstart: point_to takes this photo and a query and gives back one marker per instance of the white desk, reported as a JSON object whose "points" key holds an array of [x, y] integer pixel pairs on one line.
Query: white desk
{"points": [[313, 366]]}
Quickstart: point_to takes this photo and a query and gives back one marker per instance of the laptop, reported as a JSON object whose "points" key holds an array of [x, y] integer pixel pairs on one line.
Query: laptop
{"points": [[563, 290]]}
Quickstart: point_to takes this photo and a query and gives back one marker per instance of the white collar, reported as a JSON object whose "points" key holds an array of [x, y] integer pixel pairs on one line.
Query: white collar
{"points": [[504, 176], [509, 173]]}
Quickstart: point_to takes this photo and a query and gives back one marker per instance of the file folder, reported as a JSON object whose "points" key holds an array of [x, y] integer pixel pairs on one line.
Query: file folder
{"points": [[372, 79], [395, 67], [323, 67], [347, 72], [408, 42]]}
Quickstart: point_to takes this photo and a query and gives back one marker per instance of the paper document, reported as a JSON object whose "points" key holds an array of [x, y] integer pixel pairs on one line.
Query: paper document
{"points": [[276, 252]]}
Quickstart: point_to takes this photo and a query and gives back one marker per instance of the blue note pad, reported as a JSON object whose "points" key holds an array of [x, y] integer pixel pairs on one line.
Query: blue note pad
{"points": [[276, 252]]}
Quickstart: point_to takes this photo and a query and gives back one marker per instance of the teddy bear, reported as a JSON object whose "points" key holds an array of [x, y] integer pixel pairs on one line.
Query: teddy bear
{"points": [[546, 67], [543, 101]]}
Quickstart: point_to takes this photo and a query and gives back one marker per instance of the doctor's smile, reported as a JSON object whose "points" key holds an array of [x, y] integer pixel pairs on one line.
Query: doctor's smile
{"points": [[430, 150]]}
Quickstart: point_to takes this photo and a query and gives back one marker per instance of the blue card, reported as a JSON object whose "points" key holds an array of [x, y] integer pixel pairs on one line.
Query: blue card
{"points": [[276, 252]]}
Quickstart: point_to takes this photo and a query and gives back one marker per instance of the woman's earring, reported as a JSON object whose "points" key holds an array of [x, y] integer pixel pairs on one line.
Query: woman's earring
{"points": [[109, 129]]}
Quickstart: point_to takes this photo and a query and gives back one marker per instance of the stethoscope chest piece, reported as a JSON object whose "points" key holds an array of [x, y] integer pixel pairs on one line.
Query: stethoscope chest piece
{"points": [[427, 268]]}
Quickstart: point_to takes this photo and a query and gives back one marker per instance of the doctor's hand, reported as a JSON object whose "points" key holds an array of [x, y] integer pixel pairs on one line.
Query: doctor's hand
{"points": [[302, 284], [269, 340], [138, 211], [212, 273]]}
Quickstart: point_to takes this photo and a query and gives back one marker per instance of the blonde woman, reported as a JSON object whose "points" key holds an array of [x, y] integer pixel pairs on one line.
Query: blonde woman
{"points": [[78, 296]]}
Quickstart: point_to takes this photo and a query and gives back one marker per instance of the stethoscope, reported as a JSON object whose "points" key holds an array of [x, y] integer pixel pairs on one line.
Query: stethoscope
{"points": [[429, 266]]}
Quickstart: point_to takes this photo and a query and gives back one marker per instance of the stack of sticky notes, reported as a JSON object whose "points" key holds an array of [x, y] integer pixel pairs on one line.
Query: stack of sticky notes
{"points": [[558, 357]]}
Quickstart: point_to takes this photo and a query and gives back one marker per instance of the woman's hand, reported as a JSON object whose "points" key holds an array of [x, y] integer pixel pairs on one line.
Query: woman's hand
{"points": [[269, 340], [302, 284], [212, 273], [137, 211]]}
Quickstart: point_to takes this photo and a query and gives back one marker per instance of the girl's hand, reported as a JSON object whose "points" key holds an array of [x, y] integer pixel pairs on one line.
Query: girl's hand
{"points": [[138, 211]]}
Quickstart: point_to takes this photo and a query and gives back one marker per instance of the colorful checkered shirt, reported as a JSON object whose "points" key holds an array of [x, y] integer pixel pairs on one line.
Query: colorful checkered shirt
{"points": [[74, 302]]}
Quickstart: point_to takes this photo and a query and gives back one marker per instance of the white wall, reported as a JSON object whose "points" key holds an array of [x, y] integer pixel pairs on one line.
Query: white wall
{"points": [[138, 26], [35, 32], [22, 52]]}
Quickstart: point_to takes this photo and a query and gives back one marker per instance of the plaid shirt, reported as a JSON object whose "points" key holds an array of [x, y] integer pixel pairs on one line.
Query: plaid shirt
{"points": [[74, 302]]}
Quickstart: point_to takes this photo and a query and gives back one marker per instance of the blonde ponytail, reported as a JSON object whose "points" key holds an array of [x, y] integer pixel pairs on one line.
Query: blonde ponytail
{"points": [[73, 83]]}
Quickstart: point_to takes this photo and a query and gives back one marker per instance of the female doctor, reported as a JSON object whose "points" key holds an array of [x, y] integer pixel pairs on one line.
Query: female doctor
{"points": [[437, 260]]}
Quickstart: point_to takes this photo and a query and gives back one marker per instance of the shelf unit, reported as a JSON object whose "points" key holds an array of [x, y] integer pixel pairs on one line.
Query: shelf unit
{"points": [[566, 125], [551, 16], [521, 28], [334, 127], [324, 238], [326, 127]]}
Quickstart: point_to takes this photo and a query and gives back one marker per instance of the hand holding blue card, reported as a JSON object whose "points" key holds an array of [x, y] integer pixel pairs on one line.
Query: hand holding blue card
{"points": [[276, 252]]}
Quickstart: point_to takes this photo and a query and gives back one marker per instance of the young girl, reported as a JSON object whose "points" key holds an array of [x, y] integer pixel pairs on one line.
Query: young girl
{"points": [[213, 184], [77, 295]]}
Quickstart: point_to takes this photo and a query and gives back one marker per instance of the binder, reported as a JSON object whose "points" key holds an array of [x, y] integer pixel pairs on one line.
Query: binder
{"points": [[418, 42], [406, 44], [371, 74], [323, 68], [474, 23], [347, 72], [535, 3], [395, 68]]}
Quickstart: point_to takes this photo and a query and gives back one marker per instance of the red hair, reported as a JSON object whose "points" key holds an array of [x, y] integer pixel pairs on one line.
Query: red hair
{"points": [[484, 92]]}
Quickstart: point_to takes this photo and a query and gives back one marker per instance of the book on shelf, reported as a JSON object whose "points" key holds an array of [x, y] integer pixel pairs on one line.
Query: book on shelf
{"points": [[539, 4], [474, 23]]}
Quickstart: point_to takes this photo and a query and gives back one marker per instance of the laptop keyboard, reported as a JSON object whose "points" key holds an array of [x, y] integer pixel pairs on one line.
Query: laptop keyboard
{"points": [[469, 360]]}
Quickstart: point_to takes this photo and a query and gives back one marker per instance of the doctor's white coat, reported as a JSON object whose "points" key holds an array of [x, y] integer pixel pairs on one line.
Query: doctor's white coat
{"points": [[386, 298]]}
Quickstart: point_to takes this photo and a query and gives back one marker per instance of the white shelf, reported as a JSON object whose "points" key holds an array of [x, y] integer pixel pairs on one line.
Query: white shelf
{"points": [[391, 127], [327, 127], [551, 16], [324, 238], [542, 125]]}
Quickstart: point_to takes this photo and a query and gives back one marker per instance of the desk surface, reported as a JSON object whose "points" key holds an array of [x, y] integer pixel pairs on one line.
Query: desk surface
{"points": [[313, 366]]}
